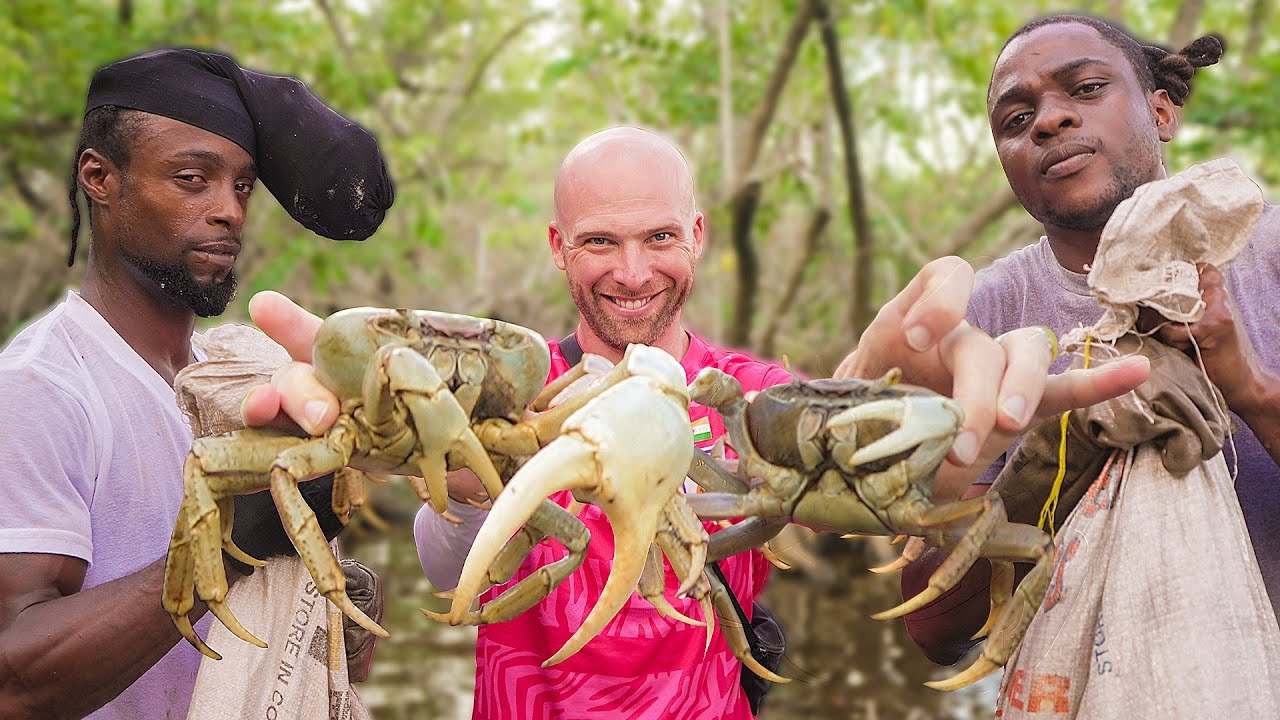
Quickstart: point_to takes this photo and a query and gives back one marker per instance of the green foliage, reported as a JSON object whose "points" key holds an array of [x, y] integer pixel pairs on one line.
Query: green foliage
{"points": [[475, 103]]}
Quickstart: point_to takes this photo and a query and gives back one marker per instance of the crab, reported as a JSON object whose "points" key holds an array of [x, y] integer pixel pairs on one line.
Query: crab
{"points": [[421, 393], [859, 457], [628, 451]]}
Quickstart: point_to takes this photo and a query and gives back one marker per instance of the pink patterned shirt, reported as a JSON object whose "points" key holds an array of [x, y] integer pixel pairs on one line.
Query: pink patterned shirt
{"points": [[642, 665]]}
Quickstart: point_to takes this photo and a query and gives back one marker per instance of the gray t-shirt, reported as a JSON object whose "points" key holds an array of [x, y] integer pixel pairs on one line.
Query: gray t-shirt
{"points": [[1029, 287]]}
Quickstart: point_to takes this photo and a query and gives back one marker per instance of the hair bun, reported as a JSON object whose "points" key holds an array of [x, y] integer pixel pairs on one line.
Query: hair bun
{"points": [[1204, 51]]}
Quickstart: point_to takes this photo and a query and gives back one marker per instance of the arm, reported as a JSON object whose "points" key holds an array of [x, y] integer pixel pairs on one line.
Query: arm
{"points": [[66, 652], [1233, 365], [442, 545]]}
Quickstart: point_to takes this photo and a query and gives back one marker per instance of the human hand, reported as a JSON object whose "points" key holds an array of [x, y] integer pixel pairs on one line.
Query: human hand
{"points": [[294, 395], [1002, 384], [1228, 354]]}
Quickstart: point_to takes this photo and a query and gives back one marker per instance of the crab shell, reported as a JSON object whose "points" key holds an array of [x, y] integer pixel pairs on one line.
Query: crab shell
{"points": [[516, 360]]}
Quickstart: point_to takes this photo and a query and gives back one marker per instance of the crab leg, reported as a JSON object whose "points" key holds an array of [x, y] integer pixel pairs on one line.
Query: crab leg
{"points": [[316, 457], [991, 515], [734, 634], [653, 584], [750, 533], [713, 477], [1022, 542], [547, 519], [216, 468]]}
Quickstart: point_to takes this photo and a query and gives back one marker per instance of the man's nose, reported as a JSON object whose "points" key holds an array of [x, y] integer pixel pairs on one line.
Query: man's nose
{"points": [[1054, 116], [635, 266], [228, 208]]}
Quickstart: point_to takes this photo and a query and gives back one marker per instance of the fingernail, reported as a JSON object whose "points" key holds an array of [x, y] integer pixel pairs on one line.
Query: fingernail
{"points": [[918, 338], [315, 410], [1014, 407], [966, 447]]}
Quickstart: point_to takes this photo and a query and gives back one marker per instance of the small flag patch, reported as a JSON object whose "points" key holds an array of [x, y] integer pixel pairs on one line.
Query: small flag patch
{"points": [[701, 429]]}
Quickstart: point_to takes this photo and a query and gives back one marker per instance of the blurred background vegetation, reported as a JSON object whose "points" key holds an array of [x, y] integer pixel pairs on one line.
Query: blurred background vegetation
{"points": [[838, 146]]}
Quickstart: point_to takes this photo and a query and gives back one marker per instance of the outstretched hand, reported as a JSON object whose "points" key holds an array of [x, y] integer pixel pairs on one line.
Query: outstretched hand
{"points": [[294, 396], [1003, 384]]}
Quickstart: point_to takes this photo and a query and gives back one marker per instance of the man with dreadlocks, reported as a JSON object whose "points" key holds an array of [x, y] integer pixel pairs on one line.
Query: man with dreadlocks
{"points": [[172, 144], [1078, 109]]}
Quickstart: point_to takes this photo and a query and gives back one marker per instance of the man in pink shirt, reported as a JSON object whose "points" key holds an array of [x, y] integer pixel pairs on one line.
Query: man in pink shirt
{"points": [[628, 235]]}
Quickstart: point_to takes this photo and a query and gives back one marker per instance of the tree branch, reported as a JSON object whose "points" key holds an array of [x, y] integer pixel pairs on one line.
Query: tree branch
{"points": [[745, 201], [860, 306], [763, 115], [962, 237], [818, 221]]}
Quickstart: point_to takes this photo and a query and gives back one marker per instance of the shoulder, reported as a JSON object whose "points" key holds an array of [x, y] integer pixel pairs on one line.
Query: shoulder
{"points": [[752, 372], [1001, 289], [42, 371]]}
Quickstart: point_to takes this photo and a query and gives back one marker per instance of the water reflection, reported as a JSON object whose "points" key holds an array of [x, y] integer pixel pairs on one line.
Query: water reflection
{"points": [[845, 664]]}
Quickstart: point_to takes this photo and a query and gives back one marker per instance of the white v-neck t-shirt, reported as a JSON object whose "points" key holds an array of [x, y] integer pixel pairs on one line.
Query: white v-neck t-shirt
{"points": [[93, 445]]}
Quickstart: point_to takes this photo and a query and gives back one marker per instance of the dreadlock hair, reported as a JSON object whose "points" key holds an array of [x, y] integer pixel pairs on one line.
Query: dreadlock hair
{"points": [[110, 130], [1156, 66]]}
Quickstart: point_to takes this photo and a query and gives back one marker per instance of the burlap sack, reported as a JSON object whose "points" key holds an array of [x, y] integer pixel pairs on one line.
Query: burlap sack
{"points": [[1148, 250], [1156, 608], [1178, 411], [304, 671]]}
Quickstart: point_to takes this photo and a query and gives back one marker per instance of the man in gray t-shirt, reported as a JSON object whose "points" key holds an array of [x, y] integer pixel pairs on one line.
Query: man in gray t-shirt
{"points": [[1078, 109]]}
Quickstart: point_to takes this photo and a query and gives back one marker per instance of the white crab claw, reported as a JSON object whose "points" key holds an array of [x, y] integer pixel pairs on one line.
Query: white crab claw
{"points": [[627, 452], [919, 417]]}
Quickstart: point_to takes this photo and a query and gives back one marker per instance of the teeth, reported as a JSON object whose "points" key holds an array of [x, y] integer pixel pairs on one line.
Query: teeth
{"points": [[630, 304]]}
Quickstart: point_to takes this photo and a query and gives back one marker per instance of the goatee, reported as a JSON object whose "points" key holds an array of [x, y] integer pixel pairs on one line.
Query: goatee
{"points": [[205, 299]]}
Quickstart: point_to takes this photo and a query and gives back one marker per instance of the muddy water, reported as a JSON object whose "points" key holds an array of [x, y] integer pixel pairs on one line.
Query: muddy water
{"points": [[846, 665]]}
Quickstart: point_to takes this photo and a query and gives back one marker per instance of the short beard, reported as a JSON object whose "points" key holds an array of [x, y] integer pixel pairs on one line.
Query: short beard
{"points": [[175, 280], [1095, 217], [1128, 177], [619, 334]]}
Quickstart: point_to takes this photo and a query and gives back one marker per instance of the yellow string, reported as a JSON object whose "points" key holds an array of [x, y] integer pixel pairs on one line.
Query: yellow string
{"points": [[1051, 504]]}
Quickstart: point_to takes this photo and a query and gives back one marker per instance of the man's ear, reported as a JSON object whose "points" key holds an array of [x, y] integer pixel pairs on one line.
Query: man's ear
{"points": [[99, 177], [699, 232], [556, 240], [1168, 115]]}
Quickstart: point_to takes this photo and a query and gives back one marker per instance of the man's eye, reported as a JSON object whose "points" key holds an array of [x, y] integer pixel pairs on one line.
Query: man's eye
{"points": [[1089, 88], [191, 177], [663, 236], [1017, 121], [244, 187], [596, 241]]}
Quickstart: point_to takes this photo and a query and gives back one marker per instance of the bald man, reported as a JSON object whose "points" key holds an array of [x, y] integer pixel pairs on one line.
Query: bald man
{"points": [[628, 235]]}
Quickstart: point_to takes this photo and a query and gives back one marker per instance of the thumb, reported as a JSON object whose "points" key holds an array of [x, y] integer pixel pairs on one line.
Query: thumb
{"points": [[286, 322]]}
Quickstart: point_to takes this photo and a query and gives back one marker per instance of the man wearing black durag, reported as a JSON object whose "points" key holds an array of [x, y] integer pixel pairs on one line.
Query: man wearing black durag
{"points": [[172, 145]]}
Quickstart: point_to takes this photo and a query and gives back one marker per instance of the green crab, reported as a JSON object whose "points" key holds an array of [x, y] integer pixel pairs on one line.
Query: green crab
{"points": [[421, 393], [859, 457]]}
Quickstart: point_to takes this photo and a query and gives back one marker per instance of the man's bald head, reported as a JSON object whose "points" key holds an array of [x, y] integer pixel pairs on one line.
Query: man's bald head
{"points": [[628, 237], [619, 163]]}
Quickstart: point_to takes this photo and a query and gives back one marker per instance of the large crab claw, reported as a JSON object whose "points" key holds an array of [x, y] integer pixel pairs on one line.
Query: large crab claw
{"points": [[627, 451], [926, 422]]}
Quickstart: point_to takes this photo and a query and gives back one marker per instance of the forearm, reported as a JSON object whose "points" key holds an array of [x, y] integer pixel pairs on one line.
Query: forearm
{"points": [[443, 546], [943, 629], [1260, 410], [67, 656]]}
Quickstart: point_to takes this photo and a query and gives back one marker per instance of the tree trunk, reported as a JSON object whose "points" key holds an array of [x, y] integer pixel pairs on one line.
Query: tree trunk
{"points": [[808, 244], [724, 35], [746, 196], [744, 204], [860, 306], [1184, 25]]}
